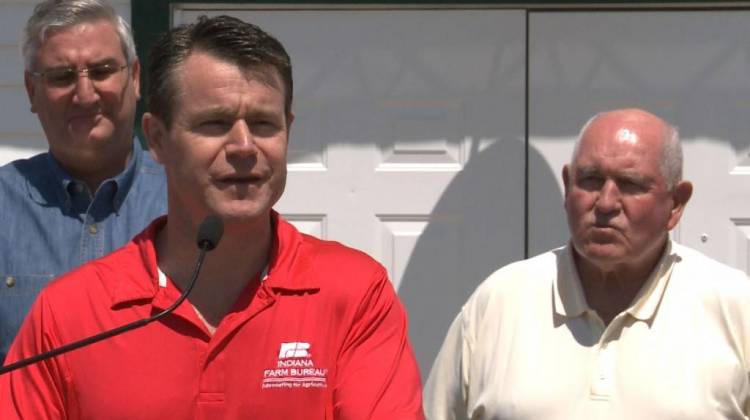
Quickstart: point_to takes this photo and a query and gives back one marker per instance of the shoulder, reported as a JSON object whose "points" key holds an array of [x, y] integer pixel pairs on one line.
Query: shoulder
{"points": [[335, 261], [148, 166], [702, 285], [26, 183], [349, 286], [103, 293], [521, 284], [710, 286], [709, 277], [333, 251], [99, 282], [343, 277], [521, 277], [149, 183], [19, 171], [694, 259]]}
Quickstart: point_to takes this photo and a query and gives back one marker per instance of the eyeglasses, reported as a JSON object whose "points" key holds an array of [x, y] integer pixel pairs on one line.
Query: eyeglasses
{"points": [[67, 76]]}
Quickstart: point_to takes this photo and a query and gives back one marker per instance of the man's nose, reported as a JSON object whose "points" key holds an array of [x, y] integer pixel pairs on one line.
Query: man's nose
{"points": [[609, 197], [84, 91], [241, 141]]}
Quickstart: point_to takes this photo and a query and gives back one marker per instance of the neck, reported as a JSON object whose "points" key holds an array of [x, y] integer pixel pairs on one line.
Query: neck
{"points": [[239, 258], [611, 288], [93, 168]]}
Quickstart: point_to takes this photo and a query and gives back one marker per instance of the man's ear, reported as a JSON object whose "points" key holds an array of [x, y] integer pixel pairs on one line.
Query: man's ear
{"points": [[156, 134], [289, 121], [136, 76], [680, 196], [28, 81], [566, 178]]}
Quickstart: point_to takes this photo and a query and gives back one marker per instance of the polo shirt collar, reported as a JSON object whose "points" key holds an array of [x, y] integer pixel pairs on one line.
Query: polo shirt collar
{"points": [[290, 268], [291, 262], [648, 298], [570, 300], [142, 279]]}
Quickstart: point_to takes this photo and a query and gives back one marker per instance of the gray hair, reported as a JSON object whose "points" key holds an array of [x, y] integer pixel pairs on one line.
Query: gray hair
{"points": [[670, 163], [51, 16]]}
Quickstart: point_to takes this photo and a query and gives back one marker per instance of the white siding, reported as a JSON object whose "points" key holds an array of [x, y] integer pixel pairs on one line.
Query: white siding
{"points": [[20, 132]]}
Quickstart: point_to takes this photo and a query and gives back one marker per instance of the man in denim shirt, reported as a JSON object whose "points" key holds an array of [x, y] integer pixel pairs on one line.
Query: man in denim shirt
{"points": [[97, 187]]}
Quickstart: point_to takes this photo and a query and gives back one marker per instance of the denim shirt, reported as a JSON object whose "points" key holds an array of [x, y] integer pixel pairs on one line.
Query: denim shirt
{"points": [[50, 224]]}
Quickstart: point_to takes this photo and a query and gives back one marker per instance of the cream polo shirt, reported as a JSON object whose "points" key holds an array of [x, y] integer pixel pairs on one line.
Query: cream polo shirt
{"points": [[527, 346]]}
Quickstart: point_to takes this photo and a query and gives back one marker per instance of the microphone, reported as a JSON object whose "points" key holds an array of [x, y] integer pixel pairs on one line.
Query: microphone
{"points": [[209, 232], [209, 235]]}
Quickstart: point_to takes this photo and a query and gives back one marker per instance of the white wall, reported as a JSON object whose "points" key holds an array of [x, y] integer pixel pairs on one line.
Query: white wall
{"points": [[20, 132]]}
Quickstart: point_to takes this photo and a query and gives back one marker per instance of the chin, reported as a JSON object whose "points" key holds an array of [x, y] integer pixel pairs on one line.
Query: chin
{"points": [[100, 134], [93, 140], [246, 209], [601, 252], [240, 214]]}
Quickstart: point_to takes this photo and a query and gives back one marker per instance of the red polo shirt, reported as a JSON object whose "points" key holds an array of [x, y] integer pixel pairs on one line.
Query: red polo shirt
{"points": [[323, 337]]}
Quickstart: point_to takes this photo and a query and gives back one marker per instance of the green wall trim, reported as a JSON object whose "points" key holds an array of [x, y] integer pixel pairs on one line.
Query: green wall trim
{"points": [[149, 18]]}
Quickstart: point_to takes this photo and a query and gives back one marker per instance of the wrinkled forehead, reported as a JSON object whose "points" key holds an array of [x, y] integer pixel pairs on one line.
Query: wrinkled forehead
{"points": [[263, 73], [107, 39], [266, 74], [194, 88], [621, 151]]}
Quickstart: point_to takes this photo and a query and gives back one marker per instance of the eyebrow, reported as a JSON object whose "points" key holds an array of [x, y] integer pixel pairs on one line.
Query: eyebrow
{"points": [[586, 170], [88, 65], [213, 112], [634, 177], [220, 111], [627, 175]]}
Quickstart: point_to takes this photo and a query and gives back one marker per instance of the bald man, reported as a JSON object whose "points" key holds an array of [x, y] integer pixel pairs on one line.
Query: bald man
{"points": [[622, 322]]}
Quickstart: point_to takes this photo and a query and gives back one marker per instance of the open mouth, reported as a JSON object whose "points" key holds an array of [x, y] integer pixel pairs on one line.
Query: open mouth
{"points": [[240, 180]]}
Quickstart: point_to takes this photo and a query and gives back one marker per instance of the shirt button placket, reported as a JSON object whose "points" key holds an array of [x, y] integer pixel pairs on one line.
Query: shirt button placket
{"points": [[601, 383], [90, 239]]}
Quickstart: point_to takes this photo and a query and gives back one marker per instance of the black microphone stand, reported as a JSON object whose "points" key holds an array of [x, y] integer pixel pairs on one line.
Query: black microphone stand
{"points": [[206, 242]]}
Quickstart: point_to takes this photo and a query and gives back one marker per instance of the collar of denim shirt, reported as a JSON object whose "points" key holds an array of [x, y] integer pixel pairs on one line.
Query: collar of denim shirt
{"points": [[57, 182]]}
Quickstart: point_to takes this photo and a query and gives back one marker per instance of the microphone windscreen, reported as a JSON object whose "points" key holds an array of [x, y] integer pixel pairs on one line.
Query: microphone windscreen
{"points": [[209, 232]]}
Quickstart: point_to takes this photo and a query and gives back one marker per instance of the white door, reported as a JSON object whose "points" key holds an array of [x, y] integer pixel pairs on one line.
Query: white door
{"points": [[692, 68], [408, 144]]}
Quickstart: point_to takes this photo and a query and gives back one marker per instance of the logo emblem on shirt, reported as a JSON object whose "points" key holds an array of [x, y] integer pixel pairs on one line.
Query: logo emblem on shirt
{"points": [[295, 368], [295, 349]]}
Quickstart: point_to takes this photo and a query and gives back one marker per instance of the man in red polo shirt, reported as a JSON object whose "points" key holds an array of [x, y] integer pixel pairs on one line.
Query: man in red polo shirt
{"points": [[279, 326]]}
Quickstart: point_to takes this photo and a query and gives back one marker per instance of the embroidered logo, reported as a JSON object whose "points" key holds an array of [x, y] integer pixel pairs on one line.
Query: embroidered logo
{"points": [[295, 368], [295, 349]]}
